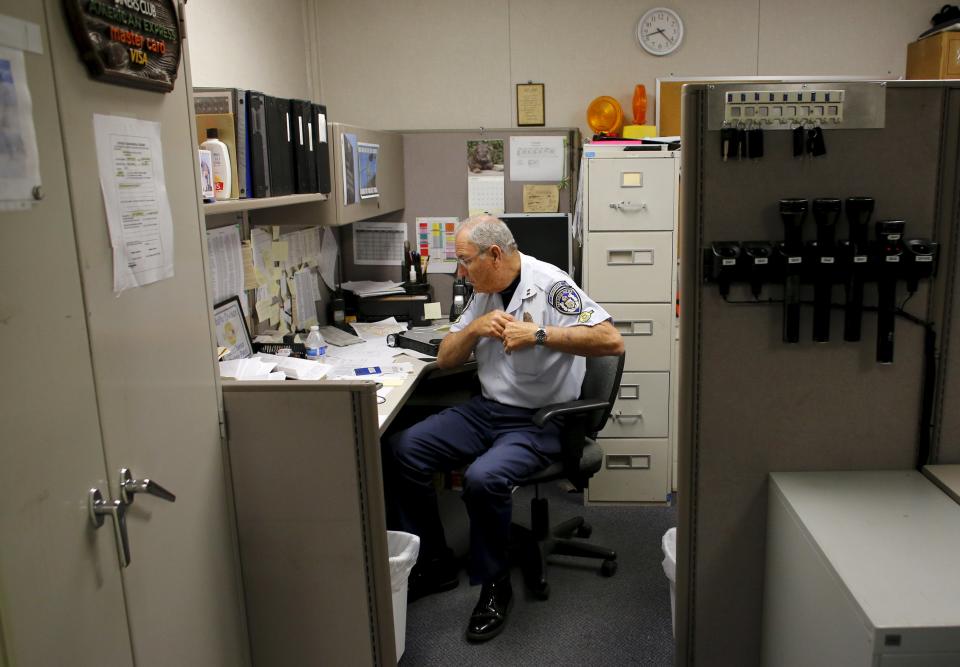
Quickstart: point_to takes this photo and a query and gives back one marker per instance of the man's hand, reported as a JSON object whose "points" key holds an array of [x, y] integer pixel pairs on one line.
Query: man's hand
{"points": [[518, 335], [491, 325]]}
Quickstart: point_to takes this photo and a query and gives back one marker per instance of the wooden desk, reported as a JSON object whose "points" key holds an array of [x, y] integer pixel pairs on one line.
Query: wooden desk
{"points": [[304, 459]]}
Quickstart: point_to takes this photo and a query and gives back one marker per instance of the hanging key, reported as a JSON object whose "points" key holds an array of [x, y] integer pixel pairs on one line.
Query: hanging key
{"points": [[741, 141], [798, 141], [726, 136], [816, 146]]}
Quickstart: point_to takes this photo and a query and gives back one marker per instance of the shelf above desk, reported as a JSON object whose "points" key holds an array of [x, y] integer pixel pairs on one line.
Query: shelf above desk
{"points": [[237, 205]]}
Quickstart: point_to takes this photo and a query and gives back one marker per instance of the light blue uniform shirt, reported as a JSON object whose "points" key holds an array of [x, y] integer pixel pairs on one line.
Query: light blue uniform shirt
{"points": [[534, 376]]}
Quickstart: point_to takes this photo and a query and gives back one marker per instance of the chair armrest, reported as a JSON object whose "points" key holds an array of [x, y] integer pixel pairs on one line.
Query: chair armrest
{"points": [[557, 410]]}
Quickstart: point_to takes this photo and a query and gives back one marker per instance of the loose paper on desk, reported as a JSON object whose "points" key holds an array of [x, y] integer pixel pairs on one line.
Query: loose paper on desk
{"points": [[130, 162], [379, 243], [381, 329], [541, 198], [536, 158], [328, 259], [372, 287], [435, 239], [19, 163], [306, 294], [225, 259]]}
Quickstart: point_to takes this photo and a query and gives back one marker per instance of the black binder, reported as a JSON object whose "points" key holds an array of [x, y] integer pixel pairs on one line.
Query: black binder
{"points": [[322, 148], [279, 145], [304, 146], [257, 152]]}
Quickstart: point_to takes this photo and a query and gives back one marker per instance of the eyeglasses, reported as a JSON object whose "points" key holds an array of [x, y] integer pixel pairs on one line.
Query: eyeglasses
{"points": [[466, 261]]}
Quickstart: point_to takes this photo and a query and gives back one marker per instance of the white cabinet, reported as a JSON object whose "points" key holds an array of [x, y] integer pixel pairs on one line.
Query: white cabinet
{"points": [[630, 268]]}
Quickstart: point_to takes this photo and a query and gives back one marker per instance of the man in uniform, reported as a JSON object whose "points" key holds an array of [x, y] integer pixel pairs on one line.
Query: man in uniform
{"points": [[530, 327]]}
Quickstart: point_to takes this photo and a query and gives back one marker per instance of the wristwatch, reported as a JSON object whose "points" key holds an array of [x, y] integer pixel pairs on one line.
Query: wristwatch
{"points": [[541, 336]]}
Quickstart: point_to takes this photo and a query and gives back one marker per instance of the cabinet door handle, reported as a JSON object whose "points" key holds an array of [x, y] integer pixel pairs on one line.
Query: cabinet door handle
{"points": [[633, 256], [634, 327], [116, 510], [628, 206], [130, 487]]}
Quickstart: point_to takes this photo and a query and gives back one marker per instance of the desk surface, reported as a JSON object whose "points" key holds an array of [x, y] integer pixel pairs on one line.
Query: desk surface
{"points": [[947, 477], [396, 399]]}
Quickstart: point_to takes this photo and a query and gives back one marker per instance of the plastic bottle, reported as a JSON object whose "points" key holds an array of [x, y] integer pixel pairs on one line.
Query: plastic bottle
{"points": [[315, 344], [221, 163]]}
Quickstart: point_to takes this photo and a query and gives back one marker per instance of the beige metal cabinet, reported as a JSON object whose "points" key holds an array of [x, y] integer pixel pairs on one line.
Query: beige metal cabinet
{"points": [[124, 381], [629, 267]]}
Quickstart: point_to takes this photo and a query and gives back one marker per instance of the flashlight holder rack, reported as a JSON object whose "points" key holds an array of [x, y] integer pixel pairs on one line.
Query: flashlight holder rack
{"points": [[760, 263]]}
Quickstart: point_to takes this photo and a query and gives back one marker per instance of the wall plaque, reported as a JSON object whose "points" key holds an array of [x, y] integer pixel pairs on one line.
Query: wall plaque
{"points": [[132, 43]]}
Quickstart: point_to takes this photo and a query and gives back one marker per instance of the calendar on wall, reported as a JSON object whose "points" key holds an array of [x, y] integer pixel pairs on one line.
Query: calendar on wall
{"points": [[378, 243], [485, 194]]}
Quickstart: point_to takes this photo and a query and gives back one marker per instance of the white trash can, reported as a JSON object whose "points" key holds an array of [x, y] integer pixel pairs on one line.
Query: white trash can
{"points": [[403, 549], [669, 544]]}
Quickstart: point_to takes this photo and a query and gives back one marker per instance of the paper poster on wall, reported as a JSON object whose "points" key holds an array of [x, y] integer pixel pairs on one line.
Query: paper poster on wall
{"points": [[435, 239], [485, 177], [351, 193], [225, 263], [536, 158], [19, 163], [130, 162], [379, 243], [367, 154]]}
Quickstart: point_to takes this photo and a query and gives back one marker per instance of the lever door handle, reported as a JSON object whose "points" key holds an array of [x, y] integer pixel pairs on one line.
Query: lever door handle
{"points": [[130, 487], [116, 510]]}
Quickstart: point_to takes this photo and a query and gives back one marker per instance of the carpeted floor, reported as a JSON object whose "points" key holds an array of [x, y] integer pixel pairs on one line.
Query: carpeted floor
{"points": [[588, 619]]}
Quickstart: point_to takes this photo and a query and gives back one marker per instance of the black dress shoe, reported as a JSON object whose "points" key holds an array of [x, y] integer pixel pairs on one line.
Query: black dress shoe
{"points": [[490, 614], [433, 575]]}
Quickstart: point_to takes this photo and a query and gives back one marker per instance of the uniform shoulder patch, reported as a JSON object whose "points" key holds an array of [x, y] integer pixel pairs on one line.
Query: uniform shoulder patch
{"points": [[565, 298]]}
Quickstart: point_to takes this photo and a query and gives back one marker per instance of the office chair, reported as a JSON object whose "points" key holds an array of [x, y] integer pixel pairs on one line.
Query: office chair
{"points": [[581, 458]]}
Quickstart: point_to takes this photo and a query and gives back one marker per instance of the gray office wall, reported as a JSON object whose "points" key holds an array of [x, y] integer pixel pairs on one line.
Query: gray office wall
{"points": [[751, 404], [435, 184]]}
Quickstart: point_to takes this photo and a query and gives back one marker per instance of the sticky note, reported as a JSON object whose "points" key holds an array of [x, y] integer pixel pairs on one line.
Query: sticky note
{"points": [[280, 251], [431, 311]]}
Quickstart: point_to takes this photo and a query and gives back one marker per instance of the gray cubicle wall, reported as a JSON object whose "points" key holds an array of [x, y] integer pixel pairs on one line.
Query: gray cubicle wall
{"points": [[751, 404], [435, 184]]}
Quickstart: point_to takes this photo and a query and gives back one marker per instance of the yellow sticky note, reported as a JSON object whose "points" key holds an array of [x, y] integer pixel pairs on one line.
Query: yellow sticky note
{"points": [[431, 311], [280, 251], [264, 307], [274, 288], [262, 279], [249, 272]]}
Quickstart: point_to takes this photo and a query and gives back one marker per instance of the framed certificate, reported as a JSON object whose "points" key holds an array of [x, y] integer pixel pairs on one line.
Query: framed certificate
{"points": [[530, 110], [231, 329]]}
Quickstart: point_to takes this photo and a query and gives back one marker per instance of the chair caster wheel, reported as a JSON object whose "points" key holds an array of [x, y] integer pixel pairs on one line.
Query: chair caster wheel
{"points": [[540, 590], [584, 531], [608, 568]]}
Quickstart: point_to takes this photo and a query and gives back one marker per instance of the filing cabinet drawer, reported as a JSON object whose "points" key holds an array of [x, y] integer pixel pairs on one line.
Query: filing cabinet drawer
{"points": [[641, 409], [631, 195], [629, 266], [633, 471], [647, 332]]}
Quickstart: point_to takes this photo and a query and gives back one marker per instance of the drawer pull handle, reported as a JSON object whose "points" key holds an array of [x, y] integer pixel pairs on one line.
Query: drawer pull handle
{"points": [[635, 327], [630, 256], [619, 416], [628, 461], [628, 206]]}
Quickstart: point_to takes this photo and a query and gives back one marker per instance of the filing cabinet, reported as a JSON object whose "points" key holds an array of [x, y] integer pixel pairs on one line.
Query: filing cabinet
{"points": [[630, 204]]}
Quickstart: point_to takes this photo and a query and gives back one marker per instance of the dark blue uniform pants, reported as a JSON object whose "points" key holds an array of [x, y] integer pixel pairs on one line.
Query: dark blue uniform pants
{"points": [[503, 445]]}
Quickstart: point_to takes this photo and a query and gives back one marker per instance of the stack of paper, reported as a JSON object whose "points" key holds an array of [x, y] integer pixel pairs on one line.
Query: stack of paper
{"points": [[298, 369], [250, 369], [372, 287]]}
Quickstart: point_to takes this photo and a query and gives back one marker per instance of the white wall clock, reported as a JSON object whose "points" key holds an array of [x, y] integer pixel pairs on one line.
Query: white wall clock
{"points": [[660, 31]]}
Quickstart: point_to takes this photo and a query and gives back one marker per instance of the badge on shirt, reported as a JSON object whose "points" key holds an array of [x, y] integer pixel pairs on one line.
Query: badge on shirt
{"points": [[565, 298], [585, 316]]}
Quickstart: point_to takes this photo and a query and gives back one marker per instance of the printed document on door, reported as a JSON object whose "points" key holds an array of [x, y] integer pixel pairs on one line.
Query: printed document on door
{"points": [[130, 161]]}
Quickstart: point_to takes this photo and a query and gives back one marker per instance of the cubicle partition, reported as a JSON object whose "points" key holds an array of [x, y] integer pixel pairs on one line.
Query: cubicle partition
{"points": [[305, 462], [752, 404]]}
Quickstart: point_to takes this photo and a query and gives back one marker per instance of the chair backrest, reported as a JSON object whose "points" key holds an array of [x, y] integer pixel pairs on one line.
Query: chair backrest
{"points": [[601, 381]]}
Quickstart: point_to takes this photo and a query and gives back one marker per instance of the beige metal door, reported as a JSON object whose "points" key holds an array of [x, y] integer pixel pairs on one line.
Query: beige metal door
{"points": [[156, 396], [61, 594]]}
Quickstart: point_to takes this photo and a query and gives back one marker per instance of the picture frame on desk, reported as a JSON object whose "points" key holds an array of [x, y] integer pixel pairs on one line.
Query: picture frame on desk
{"points": [[231, 327], [531, 111]]}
